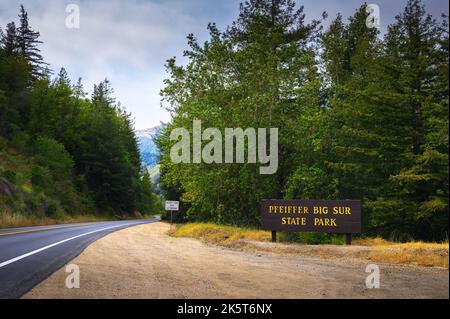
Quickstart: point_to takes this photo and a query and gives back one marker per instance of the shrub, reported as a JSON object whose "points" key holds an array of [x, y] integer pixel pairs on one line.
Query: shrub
{"points": [[41, 177], [3, 143], [20, 141], [9, 175], [54, 210], [54, 155]]}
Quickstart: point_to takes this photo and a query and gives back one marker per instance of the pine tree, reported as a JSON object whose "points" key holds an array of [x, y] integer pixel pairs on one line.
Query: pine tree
{"points": [[28, 43], [417, 48], [102, 94], [368, 124], [63, 78], [78, 89], [389, 109], [335, 56], [8, 40], [15, 79], [349, 51]]}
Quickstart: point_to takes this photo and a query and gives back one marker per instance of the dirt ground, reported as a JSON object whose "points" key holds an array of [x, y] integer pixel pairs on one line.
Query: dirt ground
{"points": [[144, 262]]}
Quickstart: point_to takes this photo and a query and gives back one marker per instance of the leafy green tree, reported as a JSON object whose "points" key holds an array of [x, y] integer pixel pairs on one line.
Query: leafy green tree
{"points": [[261, 72]]}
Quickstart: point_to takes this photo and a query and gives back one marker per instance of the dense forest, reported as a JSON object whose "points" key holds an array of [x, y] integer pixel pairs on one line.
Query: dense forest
{"points": [[61, 152], [361, 115]]}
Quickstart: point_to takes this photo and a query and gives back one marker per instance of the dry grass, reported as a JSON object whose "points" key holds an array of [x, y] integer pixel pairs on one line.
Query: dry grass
{"points": [[219, 234], [11, 220], [418, 253], [376, 241], [375, 249]]}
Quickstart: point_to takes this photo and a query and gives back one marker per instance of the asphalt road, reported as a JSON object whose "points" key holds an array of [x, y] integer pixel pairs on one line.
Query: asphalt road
{"points": [[30, 255]]}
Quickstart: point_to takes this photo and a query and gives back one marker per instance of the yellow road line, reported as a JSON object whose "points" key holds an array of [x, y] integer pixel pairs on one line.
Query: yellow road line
{"points": [[39, 229]]}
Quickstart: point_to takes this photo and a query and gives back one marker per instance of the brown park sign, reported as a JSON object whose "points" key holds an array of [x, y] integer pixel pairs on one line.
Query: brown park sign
{"points": [[336, 216]]}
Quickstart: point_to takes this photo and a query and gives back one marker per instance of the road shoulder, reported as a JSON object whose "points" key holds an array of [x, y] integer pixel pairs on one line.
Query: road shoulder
{"points": [[144, 262]]}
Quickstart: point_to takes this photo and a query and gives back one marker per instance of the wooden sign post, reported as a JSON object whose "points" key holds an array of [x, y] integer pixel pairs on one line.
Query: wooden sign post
{"points": [[339, 217], [274, 236], [348, 239]]}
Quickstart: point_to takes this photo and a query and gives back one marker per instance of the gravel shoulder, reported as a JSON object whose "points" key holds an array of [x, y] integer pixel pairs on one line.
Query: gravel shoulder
{"points": [[144, 262]]}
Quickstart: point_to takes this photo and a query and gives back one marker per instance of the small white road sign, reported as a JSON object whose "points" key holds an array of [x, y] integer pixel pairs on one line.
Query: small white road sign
{"points": [[172, 205]]}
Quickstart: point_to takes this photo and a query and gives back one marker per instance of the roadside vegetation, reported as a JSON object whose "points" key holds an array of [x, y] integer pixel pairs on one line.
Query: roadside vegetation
{"points": [[14, 220], [420, 253], [375, 249], [9, 219]]}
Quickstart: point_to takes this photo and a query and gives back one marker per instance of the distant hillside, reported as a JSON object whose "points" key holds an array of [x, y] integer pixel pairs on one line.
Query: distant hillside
{"points": [[149, 151]]}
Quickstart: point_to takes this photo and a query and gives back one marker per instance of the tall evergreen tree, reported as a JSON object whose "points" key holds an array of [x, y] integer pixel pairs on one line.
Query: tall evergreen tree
{"points": [[28, 42], [9, 40], [349, 52], [78, 89], [15, 79], [102, 94], [384, 113], [417, 49]]}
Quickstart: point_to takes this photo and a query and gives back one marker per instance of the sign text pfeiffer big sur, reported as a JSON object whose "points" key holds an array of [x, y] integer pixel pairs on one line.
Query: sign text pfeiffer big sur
{"points": [[339, 216]]}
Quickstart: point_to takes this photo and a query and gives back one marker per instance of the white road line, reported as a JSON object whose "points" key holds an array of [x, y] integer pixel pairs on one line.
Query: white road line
{"points": [[5, 263]]}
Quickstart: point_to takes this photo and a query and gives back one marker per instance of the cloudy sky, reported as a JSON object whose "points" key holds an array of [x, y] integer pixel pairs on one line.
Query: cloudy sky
{"points": [[129, 41]]}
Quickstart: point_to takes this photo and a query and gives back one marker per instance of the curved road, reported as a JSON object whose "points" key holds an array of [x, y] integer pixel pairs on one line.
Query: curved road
{"points": [[29, 255]]}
